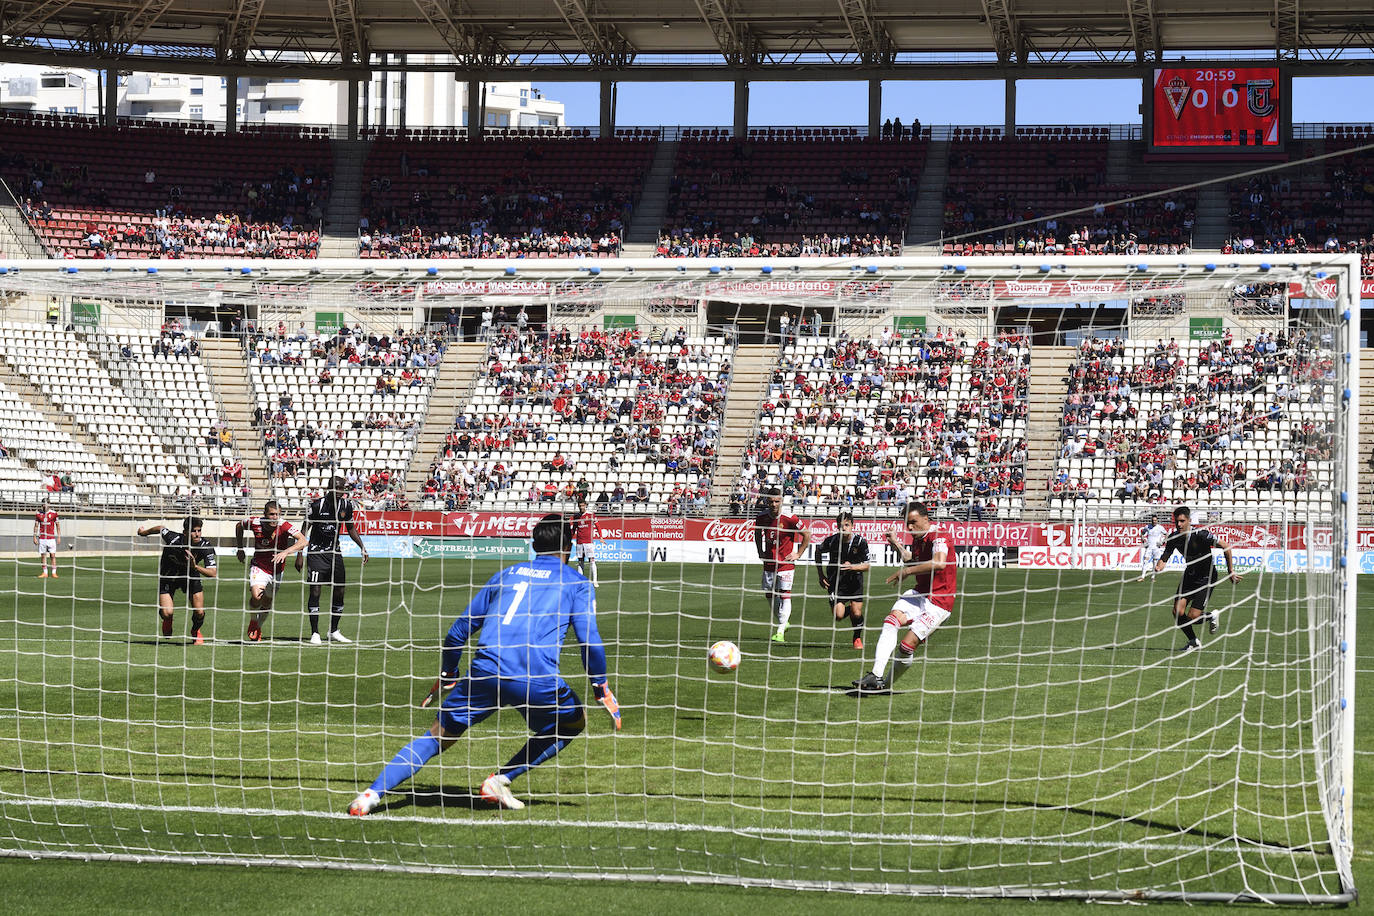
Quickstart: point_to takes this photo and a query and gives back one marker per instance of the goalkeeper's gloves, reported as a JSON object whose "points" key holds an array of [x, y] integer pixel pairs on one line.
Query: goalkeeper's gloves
{"points": [[442, 685], [603, 695]]}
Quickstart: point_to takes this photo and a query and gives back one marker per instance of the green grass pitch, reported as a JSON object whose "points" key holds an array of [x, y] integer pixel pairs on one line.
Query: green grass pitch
{"points": [[1050, 738]]}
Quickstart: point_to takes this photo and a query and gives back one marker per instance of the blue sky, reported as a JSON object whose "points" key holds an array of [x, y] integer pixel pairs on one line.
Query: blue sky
{"points": [[1325, 99]]}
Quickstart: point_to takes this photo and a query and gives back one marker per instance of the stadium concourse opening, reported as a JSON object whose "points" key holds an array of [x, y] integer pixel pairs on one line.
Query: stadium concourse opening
{"points": [[757, 323]]}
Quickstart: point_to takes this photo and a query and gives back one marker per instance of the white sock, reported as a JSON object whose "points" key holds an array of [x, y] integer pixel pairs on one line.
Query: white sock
{"points": [[784, 611], [592, 564], [887, 642], [905, 659]]}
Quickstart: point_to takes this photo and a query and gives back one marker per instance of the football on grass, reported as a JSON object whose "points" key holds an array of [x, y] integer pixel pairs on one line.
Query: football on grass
{"points": [[724, 656]]}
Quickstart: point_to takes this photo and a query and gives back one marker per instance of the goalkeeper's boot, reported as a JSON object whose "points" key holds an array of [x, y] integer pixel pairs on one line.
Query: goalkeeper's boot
{"points": [[871, 683], [362, 805], [496, 789], [315, 639], [166, 625], [1211, 623], [254, 629], [1191, 645], [336, 636]]}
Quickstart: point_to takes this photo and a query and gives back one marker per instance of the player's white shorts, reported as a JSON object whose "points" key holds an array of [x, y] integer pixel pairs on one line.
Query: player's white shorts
{"points": [[925, 615], [1149, 556], [778, 583], [584, 551], [47, 545], [260, 578]]}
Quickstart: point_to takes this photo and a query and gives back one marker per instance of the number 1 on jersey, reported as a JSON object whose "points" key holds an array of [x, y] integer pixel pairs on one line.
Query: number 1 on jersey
{"points": [[520, 589]]}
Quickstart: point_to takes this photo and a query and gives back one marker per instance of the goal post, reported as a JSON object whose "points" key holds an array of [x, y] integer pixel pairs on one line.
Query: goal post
{"points": [[1047, 740]]}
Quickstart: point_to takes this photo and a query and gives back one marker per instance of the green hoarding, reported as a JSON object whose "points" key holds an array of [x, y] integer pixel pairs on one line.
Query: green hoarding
{"points": [[611, 322], [1206, 328], [85, 314], [473, 548], [328, 322], [909, 324]]}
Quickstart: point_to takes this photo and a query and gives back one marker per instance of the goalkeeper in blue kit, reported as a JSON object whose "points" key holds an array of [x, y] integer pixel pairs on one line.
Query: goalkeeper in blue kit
{"points": [[521, 619]]}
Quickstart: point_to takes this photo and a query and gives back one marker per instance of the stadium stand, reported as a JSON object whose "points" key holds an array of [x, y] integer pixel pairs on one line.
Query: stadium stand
{"points": [[60, 365], [352, 405], [37, 455], [873, 423], [628, 421], [536, 196], [995, 181], [166, 190], [785, 195], [1153, 424]]}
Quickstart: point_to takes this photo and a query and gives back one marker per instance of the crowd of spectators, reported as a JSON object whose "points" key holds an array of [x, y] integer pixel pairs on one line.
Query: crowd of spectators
{"points": [[593, 386], [416, 242], [1199, 412], [896, 414], [683, 243]]}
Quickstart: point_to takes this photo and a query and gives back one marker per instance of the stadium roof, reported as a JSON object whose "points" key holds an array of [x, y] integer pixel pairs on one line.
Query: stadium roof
{"points": [[685, 39]]}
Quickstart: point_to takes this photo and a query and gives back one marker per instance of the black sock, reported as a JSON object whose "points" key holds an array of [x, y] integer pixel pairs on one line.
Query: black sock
{"points": [[336, 614], [196, 621], [314, 618], [858, 623], [1188, 632]]}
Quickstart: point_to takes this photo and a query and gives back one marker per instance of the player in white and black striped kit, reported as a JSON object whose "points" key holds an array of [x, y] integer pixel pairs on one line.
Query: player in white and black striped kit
{"points": [[328, 517], [841, 561]]}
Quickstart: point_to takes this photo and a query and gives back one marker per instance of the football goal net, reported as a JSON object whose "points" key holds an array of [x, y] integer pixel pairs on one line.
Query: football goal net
{"points": [[1105, 699]]}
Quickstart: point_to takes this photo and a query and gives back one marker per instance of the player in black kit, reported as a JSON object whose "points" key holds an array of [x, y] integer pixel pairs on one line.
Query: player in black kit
{"points": [[1199, 572], [841, 561], [185, 558], [327, 518]]}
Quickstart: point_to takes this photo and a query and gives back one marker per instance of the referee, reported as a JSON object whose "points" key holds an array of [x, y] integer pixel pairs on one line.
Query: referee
{"points": [[841, 561], [327, 518], [1199, 573]]}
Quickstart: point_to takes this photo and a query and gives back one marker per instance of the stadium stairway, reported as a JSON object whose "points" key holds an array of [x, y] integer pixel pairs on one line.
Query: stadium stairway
{"points": [[17, 238], [1045, 407], [1366, 498], [452, 389], [928, 212], [63, 421], [340, 236], [752, 368], [228, 372], [648, 215]]}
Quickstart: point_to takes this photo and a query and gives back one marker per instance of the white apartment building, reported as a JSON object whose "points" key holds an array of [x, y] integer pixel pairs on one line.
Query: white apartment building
{"points": [[429, 99]]}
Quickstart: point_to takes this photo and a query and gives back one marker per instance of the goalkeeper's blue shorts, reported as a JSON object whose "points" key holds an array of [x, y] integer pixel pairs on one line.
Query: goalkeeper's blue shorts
{"points": [[543, 702]]}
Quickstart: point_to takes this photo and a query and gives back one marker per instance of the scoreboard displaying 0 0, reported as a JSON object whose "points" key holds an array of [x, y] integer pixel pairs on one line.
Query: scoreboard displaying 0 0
{"points": [[1216, 106]]}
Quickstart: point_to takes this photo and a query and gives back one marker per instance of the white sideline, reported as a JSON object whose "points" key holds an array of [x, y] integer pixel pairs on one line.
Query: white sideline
{"points": [[656, 827]]}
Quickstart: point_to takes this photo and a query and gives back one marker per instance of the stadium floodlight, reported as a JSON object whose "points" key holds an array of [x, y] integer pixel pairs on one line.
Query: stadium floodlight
{"points": [[1046, 739]]}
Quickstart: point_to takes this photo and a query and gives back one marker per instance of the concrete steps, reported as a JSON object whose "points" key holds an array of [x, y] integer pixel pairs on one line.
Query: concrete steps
{"points": [[751, 369], [340, 236], [928, 213], [55, 415], [17, 238], [457, 376], [228, 370], [1044, 409], [648, 215]]}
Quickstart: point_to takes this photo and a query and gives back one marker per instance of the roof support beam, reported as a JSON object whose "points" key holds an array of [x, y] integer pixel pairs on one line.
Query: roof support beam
{"points": [[26, 17], [473, 47], [1287, 30], [134, 27], [732, 37], [347, 29], [1006, 36], [243, 27], [604, 44], [871, 40], [1144, 30]]}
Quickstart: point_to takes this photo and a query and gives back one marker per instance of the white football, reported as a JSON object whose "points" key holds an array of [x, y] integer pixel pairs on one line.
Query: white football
{"points": [[724, 656]]}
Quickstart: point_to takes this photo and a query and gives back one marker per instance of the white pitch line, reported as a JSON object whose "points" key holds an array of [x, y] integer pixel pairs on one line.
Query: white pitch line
{"points": [[654, 827]]}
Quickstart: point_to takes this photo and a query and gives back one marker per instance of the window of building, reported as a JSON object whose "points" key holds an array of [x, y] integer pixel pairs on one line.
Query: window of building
{"points": [[498, 119], [197, 112], [289, 80], [54, 82], [290, 106], [52, 109], [70, 109], [524, 98]]}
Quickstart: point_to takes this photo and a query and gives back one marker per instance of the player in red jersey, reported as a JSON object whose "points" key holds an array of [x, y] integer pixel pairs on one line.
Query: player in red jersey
{"points": [[46, 531], [779, 539], [584, 538], [273, 541], [930, 559]]}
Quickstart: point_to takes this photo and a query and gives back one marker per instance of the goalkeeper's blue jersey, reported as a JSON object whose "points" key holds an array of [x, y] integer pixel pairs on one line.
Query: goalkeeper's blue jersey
{"points": [[522, 616]]}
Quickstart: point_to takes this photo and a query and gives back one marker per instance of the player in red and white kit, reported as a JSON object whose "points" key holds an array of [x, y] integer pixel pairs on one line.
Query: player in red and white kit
{"points": [[273, 541], [46, 531], [922, 608], [780, 539], [584, 540]]}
